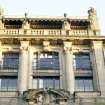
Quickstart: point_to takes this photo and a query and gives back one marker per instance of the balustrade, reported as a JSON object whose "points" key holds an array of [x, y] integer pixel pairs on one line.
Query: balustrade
{"points": [[41, 32], [79, 32]]}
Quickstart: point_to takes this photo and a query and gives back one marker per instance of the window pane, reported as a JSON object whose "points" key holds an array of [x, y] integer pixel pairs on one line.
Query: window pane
{"points": [[46, 60], [4, 84], [84, 84], [8, 83], [57, 84], [10, 60], [35, 83], [46, 82], [12, 84], [82, 61], [88, 85], [40, 83], [79, 85]]}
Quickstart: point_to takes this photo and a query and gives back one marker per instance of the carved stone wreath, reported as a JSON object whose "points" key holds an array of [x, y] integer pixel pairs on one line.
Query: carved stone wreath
{"points": [[44, 95]]}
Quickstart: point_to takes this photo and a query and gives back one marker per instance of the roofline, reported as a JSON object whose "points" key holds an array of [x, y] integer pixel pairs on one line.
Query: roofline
{"points": [[47, 18]]}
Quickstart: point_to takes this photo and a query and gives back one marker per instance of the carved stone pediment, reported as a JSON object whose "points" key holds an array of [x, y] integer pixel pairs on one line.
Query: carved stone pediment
{"points": [[46, 96]]}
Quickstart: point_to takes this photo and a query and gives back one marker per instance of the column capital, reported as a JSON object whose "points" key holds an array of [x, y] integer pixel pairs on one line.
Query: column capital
{"points": [[24, 45], [97, 44], [67, 45], [46, 45]]}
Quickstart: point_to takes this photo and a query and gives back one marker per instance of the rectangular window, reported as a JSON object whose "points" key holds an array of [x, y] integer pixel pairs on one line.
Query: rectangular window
{"points": [[10, 60], [46, 82], [8, 83], [83, 84], [82, 61], [46, 61]]}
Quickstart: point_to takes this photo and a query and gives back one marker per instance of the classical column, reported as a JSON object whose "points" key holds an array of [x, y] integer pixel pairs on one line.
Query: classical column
{"points": [[23, 67], [99, 63], [70, 79]]}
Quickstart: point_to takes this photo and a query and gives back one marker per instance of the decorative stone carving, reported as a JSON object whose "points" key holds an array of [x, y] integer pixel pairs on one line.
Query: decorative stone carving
{"points": [[67, 46], [24, 45], [66, 24], [92, 11], [46, 96], [24, 48], [1, 16], [26, 24], [93, 20], [1, 12], [46, 45]]}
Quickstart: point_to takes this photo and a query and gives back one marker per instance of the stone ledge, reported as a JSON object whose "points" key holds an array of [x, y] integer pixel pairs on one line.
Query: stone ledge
{"points": [[87, 94], [8, 94]]}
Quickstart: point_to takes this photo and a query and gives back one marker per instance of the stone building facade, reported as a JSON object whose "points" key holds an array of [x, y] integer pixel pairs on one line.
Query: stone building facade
{"points": [[52, 60]]}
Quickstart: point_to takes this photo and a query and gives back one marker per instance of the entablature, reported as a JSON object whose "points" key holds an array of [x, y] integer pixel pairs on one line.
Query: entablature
{"points": [[38, 40]]}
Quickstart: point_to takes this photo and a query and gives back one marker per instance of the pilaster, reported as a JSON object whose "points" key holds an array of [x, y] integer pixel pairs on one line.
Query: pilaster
{"points": [[100, 68]]}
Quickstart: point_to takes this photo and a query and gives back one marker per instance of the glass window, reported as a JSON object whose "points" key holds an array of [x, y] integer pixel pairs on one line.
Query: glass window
{"points": [[10, 60], [82, 61], [46, 82], [79, 85], [57, 83], [40, 83], [8, 83], [35, 82], [84, 84], [45, 61]]}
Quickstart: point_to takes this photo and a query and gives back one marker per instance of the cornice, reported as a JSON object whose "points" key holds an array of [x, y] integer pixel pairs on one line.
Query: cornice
{"points": [[62, 37], [38, 39]]}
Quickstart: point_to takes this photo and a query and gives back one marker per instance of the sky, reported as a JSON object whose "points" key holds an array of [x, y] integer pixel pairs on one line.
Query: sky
{"points": [[54, 8]]}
